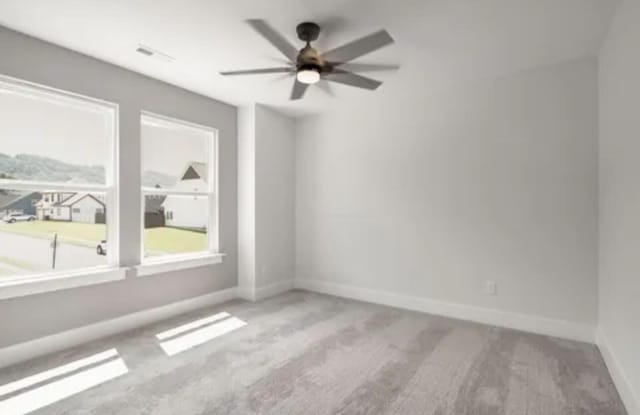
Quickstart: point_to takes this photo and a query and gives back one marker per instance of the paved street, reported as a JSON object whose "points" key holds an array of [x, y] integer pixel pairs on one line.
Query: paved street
{"points": [[37, 253]]}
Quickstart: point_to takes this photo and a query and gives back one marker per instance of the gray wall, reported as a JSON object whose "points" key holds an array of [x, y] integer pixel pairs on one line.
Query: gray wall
{"points": [[35, 316], [431, 193], [620, 198]]}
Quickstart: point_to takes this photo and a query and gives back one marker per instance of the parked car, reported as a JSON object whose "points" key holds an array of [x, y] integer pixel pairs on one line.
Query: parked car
{"points": [[18, 217], [101, 249]]}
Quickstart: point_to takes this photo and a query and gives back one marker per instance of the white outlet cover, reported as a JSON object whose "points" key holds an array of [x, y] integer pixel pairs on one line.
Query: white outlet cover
{"points": [[490, 288]]}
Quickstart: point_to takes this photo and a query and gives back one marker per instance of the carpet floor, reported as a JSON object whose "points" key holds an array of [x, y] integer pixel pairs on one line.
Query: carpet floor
{"points": [[306, 353]]}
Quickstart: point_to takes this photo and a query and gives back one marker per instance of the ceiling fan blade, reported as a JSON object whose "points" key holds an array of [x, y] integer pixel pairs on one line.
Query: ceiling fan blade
{"points": [[326, 87], [275, 38], [352, 79], [298, 90], [258, 71], [367, 67], [358, 47]]}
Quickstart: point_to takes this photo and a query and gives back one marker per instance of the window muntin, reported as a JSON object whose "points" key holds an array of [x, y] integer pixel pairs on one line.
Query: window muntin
{"points": [[179, 188], [58, 152]]}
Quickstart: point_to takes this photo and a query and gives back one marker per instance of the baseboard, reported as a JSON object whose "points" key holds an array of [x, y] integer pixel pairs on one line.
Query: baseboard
{"points": [[60, 341], [630, 399], [246, 292], [525, 322], [273, 289]]}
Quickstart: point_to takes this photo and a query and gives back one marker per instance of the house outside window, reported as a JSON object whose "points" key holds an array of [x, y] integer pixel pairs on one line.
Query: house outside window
{"points": [[58, 155], [179, 175]]}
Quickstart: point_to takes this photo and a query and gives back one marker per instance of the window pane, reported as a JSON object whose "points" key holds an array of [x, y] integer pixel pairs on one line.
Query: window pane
{"points": [[51, 137], [174, 155], [32, 220], [175, 224]]}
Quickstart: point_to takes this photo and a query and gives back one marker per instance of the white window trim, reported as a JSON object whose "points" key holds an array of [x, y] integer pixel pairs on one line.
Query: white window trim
{"points": [[166, 263], [55, 280], [178, 262]]}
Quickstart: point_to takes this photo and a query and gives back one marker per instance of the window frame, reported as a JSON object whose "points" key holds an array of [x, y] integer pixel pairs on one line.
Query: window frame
{"points": [[24, 284], [212, 254]]}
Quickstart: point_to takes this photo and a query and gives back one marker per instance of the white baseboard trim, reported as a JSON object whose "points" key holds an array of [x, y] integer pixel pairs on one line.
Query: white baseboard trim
{"points": [[247, 292], [524, 322], [630, 399], [273, 289], [60, 341]]}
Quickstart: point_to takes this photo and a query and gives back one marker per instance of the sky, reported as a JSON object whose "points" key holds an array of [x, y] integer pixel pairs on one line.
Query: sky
{"points": [[77, 135], [169, 149], [63, 132]]}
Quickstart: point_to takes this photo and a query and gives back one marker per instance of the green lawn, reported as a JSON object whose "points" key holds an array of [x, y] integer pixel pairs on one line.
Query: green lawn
{"points": [[158, 241], [173, 241]]}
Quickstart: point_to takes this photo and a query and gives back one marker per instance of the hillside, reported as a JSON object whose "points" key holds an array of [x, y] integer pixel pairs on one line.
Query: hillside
{"points": [[38, 168]]}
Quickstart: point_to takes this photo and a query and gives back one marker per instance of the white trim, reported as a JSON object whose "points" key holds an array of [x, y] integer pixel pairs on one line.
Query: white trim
{"points": [[60, 341], [177, 262], [154, 119], [247, 292], [9, 84], [112, 202], [52, 186], [29, 285], [524, 322], [273, 289], [630, 399], [163, 121], [110, 188], [151, 191]]}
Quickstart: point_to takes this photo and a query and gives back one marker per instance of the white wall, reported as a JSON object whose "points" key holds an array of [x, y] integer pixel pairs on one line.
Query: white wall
{"points": [[275, 138], [620, 200], [35, 316], [429, 195], [265, 201], [247, 202]]}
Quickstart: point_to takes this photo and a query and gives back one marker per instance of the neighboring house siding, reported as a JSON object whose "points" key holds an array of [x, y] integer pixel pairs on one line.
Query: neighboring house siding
{"points": [[60, 213], [85, 210], [75, 207], [47, 207], [186, 212]]}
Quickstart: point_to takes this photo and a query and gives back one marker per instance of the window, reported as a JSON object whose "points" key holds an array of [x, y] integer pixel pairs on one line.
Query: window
{"points": [[56, 148], [179, 188]]}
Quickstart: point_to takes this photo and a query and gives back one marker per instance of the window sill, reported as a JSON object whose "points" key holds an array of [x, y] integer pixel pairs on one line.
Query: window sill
{"points": [[20, 287], [177, 263]]}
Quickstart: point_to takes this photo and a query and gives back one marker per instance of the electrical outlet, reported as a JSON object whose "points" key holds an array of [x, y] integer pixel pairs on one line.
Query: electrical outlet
{"points": [[490, 288]]}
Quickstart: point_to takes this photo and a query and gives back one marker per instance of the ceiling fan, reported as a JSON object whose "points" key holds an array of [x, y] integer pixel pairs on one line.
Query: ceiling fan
{"points": [[310, 66]]}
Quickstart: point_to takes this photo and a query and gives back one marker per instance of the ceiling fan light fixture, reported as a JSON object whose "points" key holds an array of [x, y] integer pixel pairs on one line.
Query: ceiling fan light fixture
{"points": [[308, 75]]}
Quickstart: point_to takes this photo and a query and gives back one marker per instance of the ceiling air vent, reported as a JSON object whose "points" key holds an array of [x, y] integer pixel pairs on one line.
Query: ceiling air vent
{"points": [[154, 53], [144, 51]]}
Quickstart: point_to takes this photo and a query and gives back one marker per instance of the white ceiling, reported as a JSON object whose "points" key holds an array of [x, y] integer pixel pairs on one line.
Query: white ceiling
{"points": [[437, 41]]}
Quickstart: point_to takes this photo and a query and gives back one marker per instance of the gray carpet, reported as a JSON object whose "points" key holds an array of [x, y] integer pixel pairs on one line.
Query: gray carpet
{"points": [[304, 353]]}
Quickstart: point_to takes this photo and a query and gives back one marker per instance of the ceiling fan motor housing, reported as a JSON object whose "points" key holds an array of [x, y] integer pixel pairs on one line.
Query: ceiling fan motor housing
{"points": [[308, 31], [310, 59]]}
